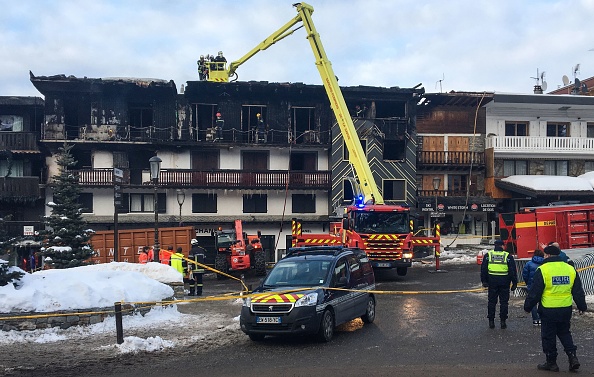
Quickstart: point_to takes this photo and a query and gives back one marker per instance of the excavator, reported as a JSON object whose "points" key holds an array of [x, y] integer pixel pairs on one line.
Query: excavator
{"points": [[384, 232]]}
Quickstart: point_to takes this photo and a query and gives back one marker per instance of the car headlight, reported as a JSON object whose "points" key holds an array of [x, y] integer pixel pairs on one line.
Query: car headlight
{"points": [[247, 302], [310, 299]]}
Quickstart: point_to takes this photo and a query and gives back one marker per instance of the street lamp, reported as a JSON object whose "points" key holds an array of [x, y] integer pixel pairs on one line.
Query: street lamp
{"points": [[181, 197], [155, 165]]}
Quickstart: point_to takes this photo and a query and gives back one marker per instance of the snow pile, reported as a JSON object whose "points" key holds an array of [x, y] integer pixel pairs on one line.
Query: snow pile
{"points": [[134, 344], [84, 287], [157, 271]]}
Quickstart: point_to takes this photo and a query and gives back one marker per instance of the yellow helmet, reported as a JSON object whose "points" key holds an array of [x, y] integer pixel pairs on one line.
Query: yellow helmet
{"points": [[258, 115]]}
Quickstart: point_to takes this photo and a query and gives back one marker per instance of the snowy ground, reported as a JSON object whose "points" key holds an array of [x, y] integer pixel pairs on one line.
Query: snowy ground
{"points": [[102, 285]]}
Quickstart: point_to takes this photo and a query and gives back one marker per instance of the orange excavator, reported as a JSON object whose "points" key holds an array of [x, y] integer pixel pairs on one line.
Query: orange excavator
{"points": [[238, 251]]}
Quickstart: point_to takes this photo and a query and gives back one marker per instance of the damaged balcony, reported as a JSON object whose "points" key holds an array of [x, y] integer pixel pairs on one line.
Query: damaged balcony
{"points": [[19, 189], [450, 160], [212, 179]]}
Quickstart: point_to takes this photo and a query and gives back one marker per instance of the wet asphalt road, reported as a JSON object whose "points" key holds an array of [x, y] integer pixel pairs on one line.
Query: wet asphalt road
{"points": [[413, 335]]}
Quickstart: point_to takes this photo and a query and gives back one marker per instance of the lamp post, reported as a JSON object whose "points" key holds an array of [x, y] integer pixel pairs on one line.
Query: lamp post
{"points": [[436, 184], [181, 197], [155, 165]]}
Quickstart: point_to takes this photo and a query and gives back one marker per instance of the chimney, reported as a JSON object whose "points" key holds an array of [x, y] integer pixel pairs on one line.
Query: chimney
{"points": [[537, 89]]}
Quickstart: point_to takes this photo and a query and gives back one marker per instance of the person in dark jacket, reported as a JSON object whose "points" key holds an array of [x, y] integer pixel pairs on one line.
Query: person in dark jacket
{"points": [[197, 255], [555, 285], [528, 275], [498, 271]]}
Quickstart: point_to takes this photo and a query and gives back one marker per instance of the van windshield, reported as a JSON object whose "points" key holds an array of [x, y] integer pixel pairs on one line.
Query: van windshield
{"points": [[302, 273]]}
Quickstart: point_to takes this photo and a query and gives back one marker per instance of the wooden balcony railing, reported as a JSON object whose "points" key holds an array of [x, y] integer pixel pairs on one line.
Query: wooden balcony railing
{"points": [[19, 188], [18, 141], [450, 158], [541, 144], [216, 179], [441, 193]]}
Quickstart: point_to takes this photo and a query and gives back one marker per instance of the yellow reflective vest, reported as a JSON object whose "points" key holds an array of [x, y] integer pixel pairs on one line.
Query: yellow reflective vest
{"points": [[558, 280], [176, 262], [498, 262]]}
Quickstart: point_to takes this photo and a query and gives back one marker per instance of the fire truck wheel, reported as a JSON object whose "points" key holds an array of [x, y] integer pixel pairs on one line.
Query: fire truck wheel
{"points": [[260, 263], [326, 330], [256, 337], [401, 271], [221, 265]]}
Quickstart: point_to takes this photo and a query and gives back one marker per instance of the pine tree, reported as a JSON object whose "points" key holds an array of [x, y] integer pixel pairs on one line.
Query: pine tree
{"points": [[66, 240], [8, 274]]}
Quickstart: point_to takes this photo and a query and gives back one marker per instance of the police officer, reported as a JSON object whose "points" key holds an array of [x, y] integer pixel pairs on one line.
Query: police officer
{"points": [[498, 270], [555, 285], [196, 254]]}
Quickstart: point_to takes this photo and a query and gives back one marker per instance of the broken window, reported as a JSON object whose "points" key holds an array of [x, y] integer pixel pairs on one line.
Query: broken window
{"points": [[249, 121], [394, 150], [256, 203], [345, 150], [304, 127], [394, 189], [141, 121], [11, 123], [304, 203], [204, 203], [203, 119], [390, 109]]}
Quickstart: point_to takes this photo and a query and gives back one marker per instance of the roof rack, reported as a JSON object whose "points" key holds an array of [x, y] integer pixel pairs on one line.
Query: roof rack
{"points": [[321, 249]]}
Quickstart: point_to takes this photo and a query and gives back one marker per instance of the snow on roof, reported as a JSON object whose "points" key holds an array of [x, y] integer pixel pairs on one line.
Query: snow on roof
{"points": [[551, 182]]}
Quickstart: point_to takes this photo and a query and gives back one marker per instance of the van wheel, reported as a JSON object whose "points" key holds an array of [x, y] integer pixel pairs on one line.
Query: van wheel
{"points": [[369, 315], [401, 271], [260, 263], [256, 337], [326, 330], [221, 265]]}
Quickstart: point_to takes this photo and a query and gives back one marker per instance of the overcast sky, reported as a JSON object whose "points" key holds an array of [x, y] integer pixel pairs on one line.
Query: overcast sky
{"points": [[472, 45]]}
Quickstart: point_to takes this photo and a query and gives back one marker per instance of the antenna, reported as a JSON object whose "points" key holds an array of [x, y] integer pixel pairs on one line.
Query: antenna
{"points": [[576, 70], [439, 82], [539, 88]]}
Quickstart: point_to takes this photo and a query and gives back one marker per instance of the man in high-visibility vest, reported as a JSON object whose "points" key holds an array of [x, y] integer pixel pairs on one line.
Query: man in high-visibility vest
{"points": [[498, 271], [555, 286]]}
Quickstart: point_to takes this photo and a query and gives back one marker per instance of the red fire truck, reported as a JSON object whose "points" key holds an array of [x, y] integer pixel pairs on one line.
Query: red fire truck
{"points": [[572, 226]]}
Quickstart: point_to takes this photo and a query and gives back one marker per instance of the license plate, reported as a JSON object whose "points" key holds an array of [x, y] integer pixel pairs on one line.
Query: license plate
{"points": [[268, 319], [382, 265]]}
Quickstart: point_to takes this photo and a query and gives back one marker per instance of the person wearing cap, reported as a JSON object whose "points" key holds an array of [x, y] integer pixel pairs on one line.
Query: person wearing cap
{"points": [[220, 61], [219, 124], [197, 255], [498, 271], [555, 286], [202, 69]]}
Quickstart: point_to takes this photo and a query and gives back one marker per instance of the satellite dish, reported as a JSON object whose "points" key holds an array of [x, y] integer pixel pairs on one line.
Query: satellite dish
{"points": [[565, 80], [544, 85]]}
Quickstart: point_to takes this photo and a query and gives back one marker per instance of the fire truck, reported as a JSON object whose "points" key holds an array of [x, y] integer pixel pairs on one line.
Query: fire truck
{"points": [[237, 251], [572, 226], [383, 231]]}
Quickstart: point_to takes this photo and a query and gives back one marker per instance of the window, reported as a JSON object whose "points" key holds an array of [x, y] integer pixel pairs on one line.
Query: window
{"points": [[457, 184], [304, 125], [557, 129], [11, 123], [515, 168], [249, 121], [356, 272], [516, 129], [588, 166], [141, 119], [394, 189], [303, 161], [86, 201], [590, 130], [394, 150], [255, 160], [16, 168], [345, 150], [204, 203], [255, 203], [304, 203], [340, 271], [203, 117], [348, 191], [145, 203], [555, 167], [205, 160]]}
